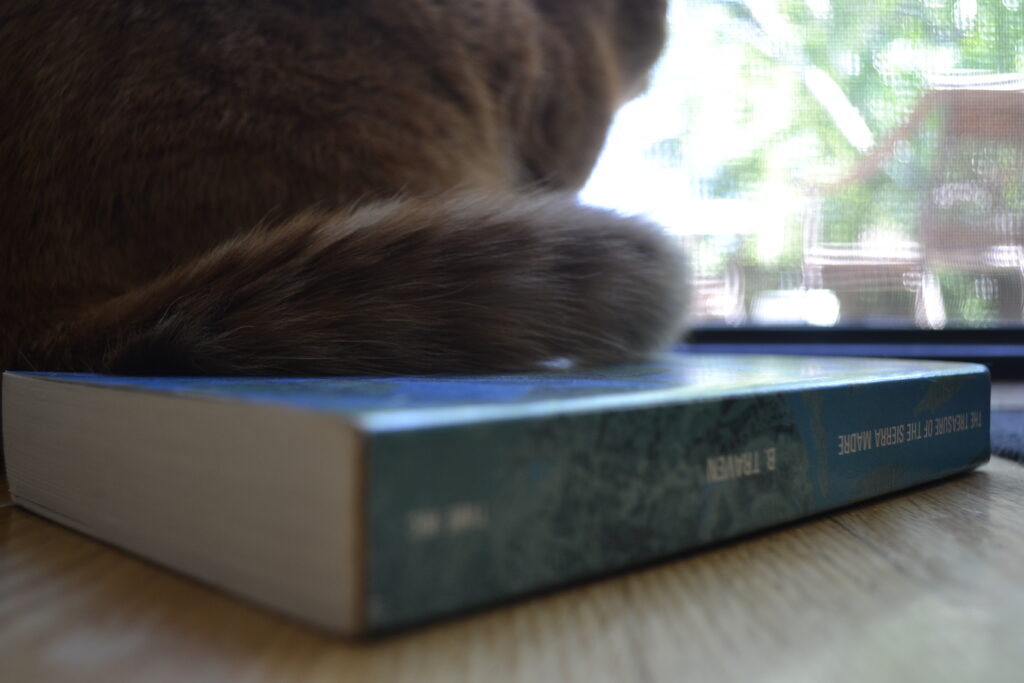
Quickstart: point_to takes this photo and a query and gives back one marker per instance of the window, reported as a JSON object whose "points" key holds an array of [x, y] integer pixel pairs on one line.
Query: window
{"points": [[836, 165]]}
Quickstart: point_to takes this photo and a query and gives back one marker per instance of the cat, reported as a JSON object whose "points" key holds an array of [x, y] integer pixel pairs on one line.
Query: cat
{"points": [[319, 187]]}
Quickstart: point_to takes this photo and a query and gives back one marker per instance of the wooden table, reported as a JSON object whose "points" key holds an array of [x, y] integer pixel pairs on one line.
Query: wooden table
{"points": [[926, 586]]}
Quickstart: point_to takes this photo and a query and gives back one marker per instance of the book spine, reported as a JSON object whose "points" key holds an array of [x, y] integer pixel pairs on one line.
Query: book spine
{"points": [[465, 515]]}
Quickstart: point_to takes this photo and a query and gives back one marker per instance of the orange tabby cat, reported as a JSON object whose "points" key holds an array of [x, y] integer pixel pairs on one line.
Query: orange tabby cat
{"points": [[321, 186]]}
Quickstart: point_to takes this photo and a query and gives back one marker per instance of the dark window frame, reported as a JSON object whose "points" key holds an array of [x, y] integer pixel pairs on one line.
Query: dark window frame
{"points": [[1001, 349]]}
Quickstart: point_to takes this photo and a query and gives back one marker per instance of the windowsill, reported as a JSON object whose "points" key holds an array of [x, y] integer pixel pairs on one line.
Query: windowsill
{"points": [[1002, 350]]}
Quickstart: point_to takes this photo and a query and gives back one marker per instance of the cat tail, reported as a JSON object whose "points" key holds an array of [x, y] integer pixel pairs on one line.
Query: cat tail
{"points": [[470, 283]]}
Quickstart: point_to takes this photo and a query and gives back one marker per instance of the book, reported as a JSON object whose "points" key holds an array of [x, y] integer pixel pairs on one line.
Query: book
{"points": [[367, 505]]}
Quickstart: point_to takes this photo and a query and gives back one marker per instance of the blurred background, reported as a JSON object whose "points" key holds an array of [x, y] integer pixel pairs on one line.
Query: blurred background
{"points": [[835, 164]]}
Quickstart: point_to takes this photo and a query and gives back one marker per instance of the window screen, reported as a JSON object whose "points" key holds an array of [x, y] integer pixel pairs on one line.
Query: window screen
{"points": [[843, 163]]}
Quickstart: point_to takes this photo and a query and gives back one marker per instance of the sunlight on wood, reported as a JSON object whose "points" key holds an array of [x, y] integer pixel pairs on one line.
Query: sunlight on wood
{"points": [[923, 586]]}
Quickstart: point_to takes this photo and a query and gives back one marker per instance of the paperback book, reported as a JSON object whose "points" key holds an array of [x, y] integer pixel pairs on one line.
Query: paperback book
{"points": [[369, 504]]}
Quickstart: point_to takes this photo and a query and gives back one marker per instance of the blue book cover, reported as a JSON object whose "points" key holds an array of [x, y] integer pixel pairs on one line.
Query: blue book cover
{"points": [[479, 489]]}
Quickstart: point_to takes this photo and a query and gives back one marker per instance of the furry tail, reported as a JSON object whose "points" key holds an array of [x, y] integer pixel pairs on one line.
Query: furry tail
{"points": [[465, 284]]}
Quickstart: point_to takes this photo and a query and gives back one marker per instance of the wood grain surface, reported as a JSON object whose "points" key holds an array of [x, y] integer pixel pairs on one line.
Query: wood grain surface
{"points": [[925, 586]]}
